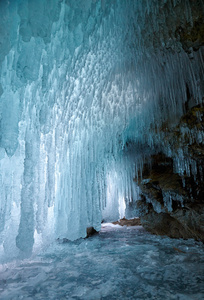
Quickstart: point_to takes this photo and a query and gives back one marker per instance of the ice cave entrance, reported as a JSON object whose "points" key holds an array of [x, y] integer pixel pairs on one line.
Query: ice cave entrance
{"points": [[86, 88]]}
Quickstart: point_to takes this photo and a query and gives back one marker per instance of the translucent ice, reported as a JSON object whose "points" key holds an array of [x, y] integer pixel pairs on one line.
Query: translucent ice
{"points": [[83, 87], [119, 263]]}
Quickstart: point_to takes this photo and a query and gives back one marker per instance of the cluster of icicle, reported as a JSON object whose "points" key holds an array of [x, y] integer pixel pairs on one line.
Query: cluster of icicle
{"points": [[79, 82]]}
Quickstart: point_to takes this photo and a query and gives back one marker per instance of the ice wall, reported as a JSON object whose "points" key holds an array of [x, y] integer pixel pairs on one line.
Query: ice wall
{"points": [[81, 81]]}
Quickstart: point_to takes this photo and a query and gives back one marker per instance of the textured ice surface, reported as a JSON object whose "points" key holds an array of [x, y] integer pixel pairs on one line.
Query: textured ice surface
{"points": [[119, 263], [79, 82]]}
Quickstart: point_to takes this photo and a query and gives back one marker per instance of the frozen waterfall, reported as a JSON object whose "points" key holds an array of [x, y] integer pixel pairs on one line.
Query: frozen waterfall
{"points": [[84, 86]]}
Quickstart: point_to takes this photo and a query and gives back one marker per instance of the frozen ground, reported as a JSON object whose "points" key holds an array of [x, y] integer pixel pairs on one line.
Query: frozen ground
{"points": [[119, 263]]}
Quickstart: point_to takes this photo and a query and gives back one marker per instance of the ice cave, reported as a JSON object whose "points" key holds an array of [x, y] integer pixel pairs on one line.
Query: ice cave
{"points": [[102, 149]]}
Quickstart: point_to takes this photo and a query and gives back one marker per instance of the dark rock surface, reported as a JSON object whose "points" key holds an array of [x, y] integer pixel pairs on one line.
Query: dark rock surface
{"points": [[128, 222], [90, 231], [172, 191]]}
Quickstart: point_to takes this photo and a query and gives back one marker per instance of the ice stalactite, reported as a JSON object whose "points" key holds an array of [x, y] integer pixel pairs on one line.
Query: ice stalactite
{"points": [[81, 81]]}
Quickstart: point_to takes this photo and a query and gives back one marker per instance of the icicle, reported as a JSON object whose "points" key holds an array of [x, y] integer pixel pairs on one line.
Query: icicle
{"points": [[84, 92]]}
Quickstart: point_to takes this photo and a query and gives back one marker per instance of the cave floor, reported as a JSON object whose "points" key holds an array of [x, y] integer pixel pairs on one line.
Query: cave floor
{"points": [[118, 263]]}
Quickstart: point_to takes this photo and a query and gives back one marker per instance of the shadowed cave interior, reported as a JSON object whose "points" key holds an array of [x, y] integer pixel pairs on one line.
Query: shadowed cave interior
{"points": [[101, 136]]}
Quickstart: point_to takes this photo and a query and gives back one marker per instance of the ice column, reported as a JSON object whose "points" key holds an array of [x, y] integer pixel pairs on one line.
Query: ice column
{"points": [[81, 82]]}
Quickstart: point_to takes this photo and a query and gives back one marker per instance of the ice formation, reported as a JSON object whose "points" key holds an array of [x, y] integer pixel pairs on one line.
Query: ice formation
{"points": [[81, 81], [121, 262]]}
